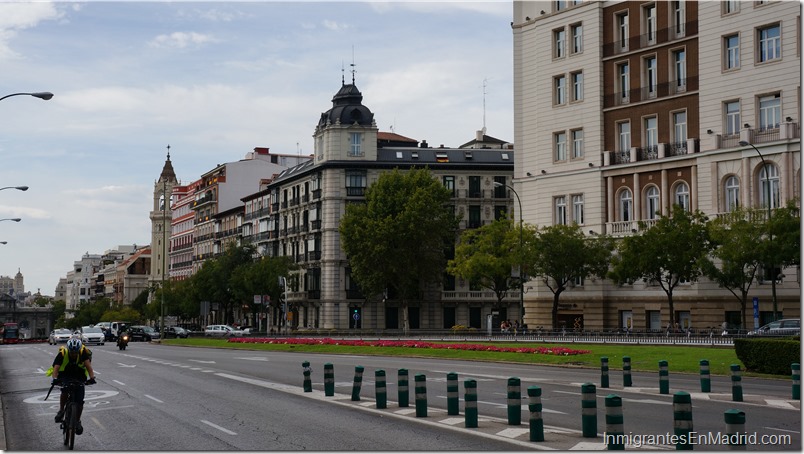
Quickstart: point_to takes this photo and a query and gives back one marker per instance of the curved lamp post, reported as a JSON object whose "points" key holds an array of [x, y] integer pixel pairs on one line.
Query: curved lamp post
{"points": [[3, 242], [521, 251], [11, 219], [743, 143], [40, 94], [19, 188]]}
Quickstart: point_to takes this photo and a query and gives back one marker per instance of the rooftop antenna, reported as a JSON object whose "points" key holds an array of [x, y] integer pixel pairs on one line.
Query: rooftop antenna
{"points": [[485, 81], [343, 76], [298, 150], [353, 65]]}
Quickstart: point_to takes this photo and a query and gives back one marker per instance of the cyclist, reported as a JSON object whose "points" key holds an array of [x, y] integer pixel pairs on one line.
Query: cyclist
{"points": [[73, 361]]}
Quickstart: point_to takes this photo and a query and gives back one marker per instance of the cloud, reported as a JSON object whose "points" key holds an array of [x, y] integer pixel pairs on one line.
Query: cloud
{"points": [[334, 26], [181, 40], [19, 16]]}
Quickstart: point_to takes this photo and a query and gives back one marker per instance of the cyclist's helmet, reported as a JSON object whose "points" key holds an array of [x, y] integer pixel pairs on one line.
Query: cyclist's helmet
{"points": [[74, 345]]}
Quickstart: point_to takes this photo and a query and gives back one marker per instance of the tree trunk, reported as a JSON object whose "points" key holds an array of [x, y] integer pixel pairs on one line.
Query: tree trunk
{"points": [[405, 325], [554, 314]]}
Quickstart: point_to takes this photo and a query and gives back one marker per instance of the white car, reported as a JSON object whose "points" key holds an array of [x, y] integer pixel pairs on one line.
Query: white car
{"points": [[221, 331], [91, 335], [60, 336]]}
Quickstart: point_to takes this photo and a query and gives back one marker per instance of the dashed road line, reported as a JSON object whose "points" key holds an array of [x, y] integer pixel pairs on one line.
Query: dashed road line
{"points": [[222, 429]]}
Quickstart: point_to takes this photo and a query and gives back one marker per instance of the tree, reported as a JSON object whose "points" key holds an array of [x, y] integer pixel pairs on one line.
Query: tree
{"points": [[486, 256], [260, 278], [671, 251], [560, 254], [396, 240], [214, 280], [734, 240]]}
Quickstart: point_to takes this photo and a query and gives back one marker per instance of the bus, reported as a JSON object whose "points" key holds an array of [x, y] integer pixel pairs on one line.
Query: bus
{"points": [[9, 333]]}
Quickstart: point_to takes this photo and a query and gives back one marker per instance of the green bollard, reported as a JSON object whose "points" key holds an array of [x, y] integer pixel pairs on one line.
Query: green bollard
{"points": [[604, 372], [796, 381], [421, 395], [535, 407], [589, 410], [380, 392], [470, 403], [358, 383], [736, 383], [706, 382], [664, 378], [735, 429], [308, 384], [453, 406], [402, 388], [682, 420], [627, 371], [514, 402], [329, 379], [615, 433]]}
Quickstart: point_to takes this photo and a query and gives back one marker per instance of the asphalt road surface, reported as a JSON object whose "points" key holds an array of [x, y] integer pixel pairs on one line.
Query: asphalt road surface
{"points": [[156, 398]]}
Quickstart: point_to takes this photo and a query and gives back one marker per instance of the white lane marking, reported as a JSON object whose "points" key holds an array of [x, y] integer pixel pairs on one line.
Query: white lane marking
{"points": [[783, 430], [127, 365], [512, 433], [227, 431], [257, 358], [780, 404], [199, 361], [119, 383], [524, 407], [97, 421], [154, 399]]}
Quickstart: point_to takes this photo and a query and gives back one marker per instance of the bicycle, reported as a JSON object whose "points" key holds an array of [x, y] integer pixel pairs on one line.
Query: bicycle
{"points": [[70, 419]]}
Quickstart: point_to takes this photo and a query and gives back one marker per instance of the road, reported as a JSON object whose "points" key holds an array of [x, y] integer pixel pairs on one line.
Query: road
{"points": [[157, 397]]}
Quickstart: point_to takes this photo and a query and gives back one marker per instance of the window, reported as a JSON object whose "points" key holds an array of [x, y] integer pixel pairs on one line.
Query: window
{"points": [[626, 205], [650, 23], [731, 6], [624, 136], [683, 196], [732, 192], [679, 17], [577, 209], [355, 183], [651, 133], [732, 53], [560, 139], [650, 76], [474, 187], [732, 117], [680, 127], [558, 43], [770, 42], [652, 203], [770, 109], [577, 143], [577, 38], [622, 30], [449, 183], [561, 210], [354, 142], [500, 212], [680, 67], [474, 216], [624, 84], [577, 86], [769, 177], [560, 83], [500, 189], [560, 4]]}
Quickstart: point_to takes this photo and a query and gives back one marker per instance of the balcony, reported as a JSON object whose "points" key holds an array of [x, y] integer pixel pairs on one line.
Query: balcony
{"points": [[650, 153], [651, 93], [643, 41], [356, 191], [626, 228], [777, 133], [315, 225]]}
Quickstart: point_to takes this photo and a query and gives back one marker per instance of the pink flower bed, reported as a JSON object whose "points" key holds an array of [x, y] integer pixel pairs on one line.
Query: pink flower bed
{"points": [[561, 351]]}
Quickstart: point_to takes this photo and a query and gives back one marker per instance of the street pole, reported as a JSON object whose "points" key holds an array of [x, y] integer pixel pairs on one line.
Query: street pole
{"points": [[521, 252], [770, 231], [164, 257]]}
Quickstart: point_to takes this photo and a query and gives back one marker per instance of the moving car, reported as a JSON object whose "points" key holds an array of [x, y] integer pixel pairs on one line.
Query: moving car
{"points": [[92, 335], [221, 331], [177, 332], [142, 333], [784, 327], [59, 336]]}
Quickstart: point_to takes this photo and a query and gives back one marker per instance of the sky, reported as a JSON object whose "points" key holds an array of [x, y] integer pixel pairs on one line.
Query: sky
{"points": [[213, 80]]}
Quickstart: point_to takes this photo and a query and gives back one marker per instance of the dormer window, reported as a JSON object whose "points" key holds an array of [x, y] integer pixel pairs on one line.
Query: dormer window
{"points": [[354, 144], [414, 154], [467, 154], [442, 157], [398, 155]]}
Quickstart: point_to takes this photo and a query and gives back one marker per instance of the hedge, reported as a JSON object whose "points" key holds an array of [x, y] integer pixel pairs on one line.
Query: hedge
{"points": [[769, 355]]}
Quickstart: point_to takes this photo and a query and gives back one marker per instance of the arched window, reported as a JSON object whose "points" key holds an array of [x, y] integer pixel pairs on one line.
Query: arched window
{"points": [[769, 178], [652, 202], [626, 205], [731, 191], [683, 196]]}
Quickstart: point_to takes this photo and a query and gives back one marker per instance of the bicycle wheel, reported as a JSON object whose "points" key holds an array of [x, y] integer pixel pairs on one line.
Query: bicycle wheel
{"points": [[65, 422], [71, 429]]}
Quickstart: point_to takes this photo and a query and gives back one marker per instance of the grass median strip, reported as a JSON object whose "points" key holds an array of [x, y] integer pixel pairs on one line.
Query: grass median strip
{"points": [[683, 359]]}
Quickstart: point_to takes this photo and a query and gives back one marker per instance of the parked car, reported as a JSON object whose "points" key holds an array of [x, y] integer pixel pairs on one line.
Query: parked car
{"points": [[59, 336], [142, 333], [784, 327], [221, 331], [177, 332], [92, 335]]}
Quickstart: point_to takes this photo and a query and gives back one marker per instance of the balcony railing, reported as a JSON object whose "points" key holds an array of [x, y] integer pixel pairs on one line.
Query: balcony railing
{"points": [[645, 40]]}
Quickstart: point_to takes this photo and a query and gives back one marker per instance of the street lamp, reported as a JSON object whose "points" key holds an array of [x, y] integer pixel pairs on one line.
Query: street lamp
{"points": [[41, 95], [11, 219], [3, 242], [19, 188], [743, 143], [521, 251]]}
